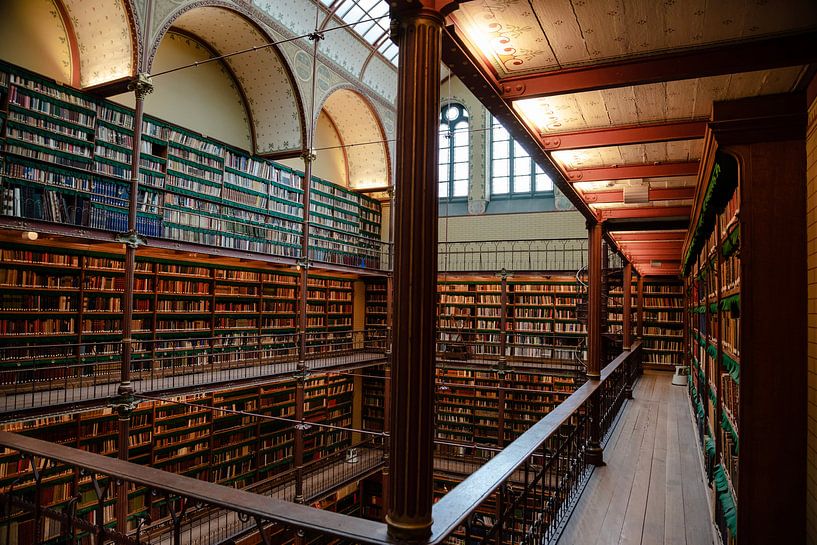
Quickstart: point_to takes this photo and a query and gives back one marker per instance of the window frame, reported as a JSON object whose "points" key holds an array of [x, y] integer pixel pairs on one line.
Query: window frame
{"points": [[493, 123], [465, 116]]}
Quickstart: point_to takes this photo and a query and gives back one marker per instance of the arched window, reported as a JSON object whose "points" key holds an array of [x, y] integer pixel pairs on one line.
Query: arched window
{"points": [[513, 171], [454, 151]]}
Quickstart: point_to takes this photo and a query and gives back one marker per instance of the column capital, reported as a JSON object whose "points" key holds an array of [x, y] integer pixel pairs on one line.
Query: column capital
{"points": [[141, 85]]}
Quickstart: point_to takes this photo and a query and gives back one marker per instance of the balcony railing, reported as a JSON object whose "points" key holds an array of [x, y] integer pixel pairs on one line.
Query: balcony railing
{"points": [[219, 226], [523, 493], [553, 255], [42, 375]]}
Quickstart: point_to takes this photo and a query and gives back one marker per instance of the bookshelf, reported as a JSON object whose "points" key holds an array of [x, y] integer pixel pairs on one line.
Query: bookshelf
{"points": [[376, 297], [197, 440], [539, 312], [468, 403], [67, 159], [186, 313], [663, 335], [744, 290]]}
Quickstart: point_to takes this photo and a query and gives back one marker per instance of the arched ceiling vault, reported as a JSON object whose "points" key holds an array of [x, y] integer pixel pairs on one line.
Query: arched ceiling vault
{"points": [[362, 133], [106, 40], [276, 116]]}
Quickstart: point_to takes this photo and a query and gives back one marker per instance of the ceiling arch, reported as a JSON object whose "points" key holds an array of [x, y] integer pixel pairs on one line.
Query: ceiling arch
{"points": [[106, 39], [276, 113], [361, 131]]}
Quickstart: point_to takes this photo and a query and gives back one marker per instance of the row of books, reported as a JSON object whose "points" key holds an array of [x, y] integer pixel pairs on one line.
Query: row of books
{"points": [[57, 128]]}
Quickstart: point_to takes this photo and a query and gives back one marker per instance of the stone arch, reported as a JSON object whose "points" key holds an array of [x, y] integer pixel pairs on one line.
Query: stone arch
{"points": [[362, 133], [264, 77]]}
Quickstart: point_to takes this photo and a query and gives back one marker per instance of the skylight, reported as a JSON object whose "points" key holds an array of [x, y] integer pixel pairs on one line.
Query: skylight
{"points": [[359, 13]]}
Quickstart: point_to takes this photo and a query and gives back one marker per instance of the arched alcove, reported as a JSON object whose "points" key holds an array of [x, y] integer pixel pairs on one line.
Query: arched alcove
{"points": [[38, 24], [262, 77], [360, 130], [84, 43], [213, 103]]}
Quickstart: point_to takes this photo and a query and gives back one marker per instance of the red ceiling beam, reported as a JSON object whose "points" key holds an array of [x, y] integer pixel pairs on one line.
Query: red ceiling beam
{"points": [[662, 132], [651, 245], [713, 60], [651, 212], [647, 236], [657, 194], [661, 170], [662, 254]]}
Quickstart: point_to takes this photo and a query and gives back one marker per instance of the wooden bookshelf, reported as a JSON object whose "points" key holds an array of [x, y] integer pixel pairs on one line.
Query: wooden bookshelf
{"points": [[376, 306], [468, 403], [663, 336], [67, 159], [539, 311], [196, 440], [183, 310], [744, 293]]}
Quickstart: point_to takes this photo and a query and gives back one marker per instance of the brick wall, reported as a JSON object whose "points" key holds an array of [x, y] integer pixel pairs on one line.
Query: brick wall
{"points": [[528, 226]]}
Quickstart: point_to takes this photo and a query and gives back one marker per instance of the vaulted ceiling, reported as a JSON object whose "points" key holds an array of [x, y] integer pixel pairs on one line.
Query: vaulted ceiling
{"points": [[615, 95]]}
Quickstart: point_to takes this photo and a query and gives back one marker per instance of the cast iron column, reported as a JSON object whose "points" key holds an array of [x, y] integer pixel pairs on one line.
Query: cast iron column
{"points": [[639, 328], [141, 87], [627, 327], [419, 35], [303, 302], [594, 454], [627, 333]]}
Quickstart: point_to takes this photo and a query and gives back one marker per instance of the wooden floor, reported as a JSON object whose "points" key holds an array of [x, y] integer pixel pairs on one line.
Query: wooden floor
{"points": [[651, 491]]}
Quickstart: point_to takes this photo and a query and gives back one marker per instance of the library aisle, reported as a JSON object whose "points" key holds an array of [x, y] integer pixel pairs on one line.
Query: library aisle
{"points": [[651, 491]]}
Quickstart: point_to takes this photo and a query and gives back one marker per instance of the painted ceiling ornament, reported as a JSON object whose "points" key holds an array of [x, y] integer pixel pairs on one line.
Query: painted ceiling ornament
{"points": [[501, 5]]}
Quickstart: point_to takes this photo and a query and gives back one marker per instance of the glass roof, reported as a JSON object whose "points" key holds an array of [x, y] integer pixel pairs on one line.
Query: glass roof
{"points": [[361, 12]]}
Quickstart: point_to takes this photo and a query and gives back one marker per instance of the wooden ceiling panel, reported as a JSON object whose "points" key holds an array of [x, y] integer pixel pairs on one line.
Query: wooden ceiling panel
{"points": [[670, 203], [654, 183], [649, 103], [633, 154], [562, 33]]}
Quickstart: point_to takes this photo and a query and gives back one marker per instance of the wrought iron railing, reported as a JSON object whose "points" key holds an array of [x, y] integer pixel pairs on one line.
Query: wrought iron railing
{"points": [[41, 375], [551, 255], [215, 225], [523, 493], [538, 350]]}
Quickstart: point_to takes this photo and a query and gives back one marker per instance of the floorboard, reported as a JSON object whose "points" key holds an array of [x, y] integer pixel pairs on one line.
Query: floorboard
{"points": [[651, 491]]}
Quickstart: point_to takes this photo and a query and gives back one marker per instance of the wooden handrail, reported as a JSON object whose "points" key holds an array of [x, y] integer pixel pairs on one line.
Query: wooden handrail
{"points": [[462, 500], [448, 513]]}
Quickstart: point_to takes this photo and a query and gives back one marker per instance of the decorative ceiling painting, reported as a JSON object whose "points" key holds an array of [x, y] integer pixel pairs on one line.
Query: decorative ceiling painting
{"points": [[522, 36], [262, 75], [366, 153], [650, 103], [104, 39]]}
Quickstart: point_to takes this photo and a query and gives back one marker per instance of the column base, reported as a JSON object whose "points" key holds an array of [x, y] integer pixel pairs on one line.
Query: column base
{"points": [[410, 531], [594, 456]]}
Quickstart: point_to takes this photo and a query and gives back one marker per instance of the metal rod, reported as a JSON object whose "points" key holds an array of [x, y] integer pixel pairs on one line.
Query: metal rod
{"points": [[261, 47]]}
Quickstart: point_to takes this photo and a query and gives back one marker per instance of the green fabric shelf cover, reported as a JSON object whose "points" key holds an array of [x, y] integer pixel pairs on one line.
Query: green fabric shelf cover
{"points": [[722, 183], [727, 502], [732, 367], [727, 425], [709, 447], [731, 303], [731, 243], [711, 350]]}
